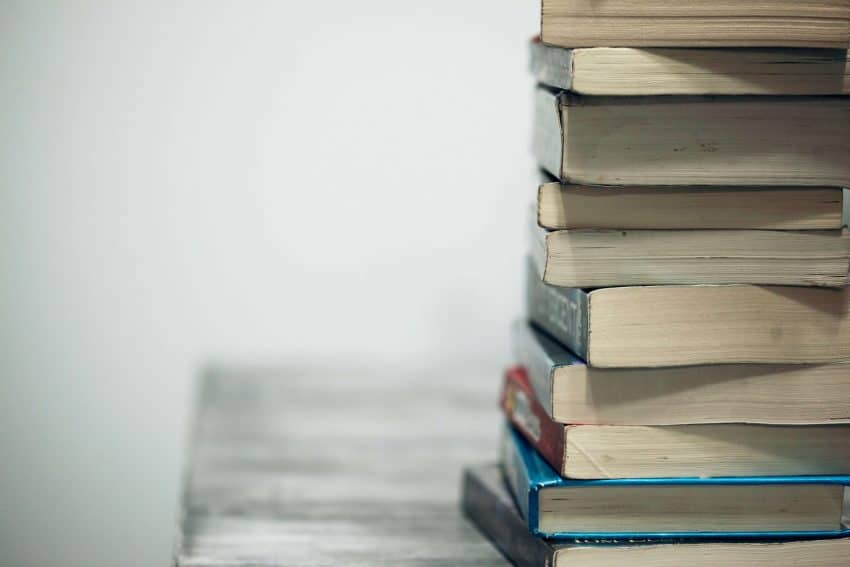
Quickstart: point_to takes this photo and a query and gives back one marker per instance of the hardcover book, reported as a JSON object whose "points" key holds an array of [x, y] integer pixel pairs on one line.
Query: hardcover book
{"points": [[680, 325], [706, 450], [778, 507], [570, 391], [488, 504], [693, 140], [696, 23], [713, 71]]}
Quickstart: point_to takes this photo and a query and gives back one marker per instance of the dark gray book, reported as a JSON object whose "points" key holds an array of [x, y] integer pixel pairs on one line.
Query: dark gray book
{"points": [[560, 311], [487, 503]]}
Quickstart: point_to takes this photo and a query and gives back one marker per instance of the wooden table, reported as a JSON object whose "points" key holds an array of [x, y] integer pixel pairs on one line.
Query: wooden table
{"points": [[292, 467]]}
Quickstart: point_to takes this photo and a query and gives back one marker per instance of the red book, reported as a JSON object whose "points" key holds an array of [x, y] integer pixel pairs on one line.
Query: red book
{"points": [[531, 420]]}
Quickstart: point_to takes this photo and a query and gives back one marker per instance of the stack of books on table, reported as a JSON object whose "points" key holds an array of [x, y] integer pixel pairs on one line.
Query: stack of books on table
{"points": [[682, 388]]}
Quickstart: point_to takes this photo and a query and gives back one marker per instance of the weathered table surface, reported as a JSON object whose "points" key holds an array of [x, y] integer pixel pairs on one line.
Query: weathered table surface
{"points": [[290, 467]]}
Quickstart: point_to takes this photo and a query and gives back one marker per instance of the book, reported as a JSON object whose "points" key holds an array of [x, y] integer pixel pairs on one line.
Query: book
{"points": [[693, 140], [570, 391], [670, 508], [695, 23], [686, 71], [681, 325], [489, 506], [706, 450], [590, 257], [561, 207]]}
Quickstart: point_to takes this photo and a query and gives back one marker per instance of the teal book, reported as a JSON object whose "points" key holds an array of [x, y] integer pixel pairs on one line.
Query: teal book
{"points": [[717, 508], [487, 503]]}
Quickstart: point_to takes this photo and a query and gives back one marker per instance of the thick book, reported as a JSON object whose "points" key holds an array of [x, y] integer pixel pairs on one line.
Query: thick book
{"points": [[670, 508], [681, 325], [570, 391], [487, 503], [706, 450], [693, 140], [695, 23], [597, 257], [718, 71], [566, 206]]}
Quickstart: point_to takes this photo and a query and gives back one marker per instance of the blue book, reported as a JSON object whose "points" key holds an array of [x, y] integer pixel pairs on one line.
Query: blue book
{"points": [[718, 508]]}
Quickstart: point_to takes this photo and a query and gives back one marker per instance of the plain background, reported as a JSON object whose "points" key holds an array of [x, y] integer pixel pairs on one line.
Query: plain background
{"points": [[242, 181]]}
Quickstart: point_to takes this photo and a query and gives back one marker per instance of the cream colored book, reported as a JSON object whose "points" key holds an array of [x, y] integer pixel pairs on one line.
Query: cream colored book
{"points": [[696, 23], [571, 391], [693, 140], [568, 206], [681, 325], [686, 71], [621, 451], [589, 257]]}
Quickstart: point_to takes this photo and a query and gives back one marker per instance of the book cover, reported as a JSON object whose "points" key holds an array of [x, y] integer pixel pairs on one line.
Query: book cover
{"points": [[539, 357], [529, 418], [486, 502], [560, 311]]}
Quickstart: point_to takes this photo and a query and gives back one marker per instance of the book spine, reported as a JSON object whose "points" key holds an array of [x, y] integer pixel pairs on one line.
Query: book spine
{"points": [[551, 66], [492, 511], [547, 137], [560, 311], [528, 416], [537, 365], [516, 477]]}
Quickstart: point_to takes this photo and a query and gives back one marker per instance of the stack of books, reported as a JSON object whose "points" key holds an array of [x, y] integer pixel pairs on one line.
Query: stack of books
{"points": [[682, 388]]}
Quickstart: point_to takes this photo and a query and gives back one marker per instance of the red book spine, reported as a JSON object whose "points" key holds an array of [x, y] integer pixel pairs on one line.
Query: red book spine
{"points": [[531, 420]]}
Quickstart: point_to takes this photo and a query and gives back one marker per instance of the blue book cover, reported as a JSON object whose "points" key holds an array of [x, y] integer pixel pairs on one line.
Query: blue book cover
{"points": [[527, 474]]}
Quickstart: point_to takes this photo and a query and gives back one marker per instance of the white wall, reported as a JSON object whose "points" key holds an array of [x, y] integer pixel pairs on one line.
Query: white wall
{"points": [[241, 181]]}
